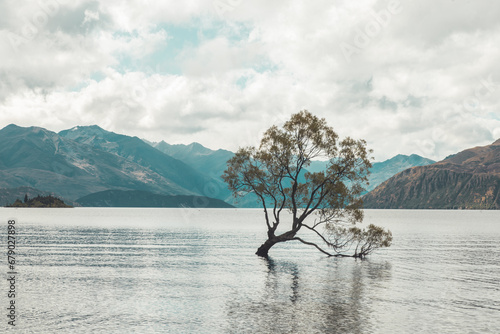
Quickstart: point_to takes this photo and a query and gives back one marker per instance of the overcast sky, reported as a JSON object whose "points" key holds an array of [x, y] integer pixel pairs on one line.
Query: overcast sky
{"points": [[408, 76]]}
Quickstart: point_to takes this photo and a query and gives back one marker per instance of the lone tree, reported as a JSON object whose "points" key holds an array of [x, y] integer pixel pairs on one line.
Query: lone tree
{"points": [[276, 173]]}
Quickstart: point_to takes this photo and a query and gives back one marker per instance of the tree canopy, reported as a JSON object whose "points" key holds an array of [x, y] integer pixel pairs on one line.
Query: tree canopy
{"points": [[326, 203]]}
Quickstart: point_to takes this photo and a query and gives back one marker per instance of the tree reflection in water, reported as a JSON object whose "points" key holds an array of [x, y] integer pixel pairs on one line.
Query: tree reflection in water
{"points": [[324, 296]]}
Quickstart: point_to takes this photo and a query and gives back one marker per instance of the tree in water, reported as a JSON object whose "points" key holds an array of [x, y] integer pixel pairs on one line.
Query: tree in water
{"points": [[276, 172]]}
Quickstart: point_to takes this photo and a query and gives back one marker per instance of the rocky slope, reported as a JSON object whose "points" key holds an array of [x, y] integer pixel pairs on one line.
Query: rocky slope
{"points": [[384, 170], [467, 180]]}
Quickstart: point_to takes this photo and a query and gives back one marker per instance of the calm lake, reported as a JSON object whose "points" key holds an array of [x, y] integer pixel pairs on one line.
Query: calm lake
{"points": [[194, 271]]}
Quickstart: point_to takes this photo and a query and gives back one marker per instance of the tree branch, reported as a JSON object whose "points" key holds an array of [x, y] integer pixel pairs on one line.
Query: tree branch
{"points": [[319, 234], [319, 248]]}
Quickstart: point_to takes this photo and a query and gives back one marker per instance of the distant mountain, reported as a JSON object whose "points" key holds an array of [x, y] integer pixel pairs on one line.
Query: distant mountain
{"points": [[317, 166], [42, 159], [467, 180], [382, 171], [210, 162], [144, 199], [214, 163], [86, 160], [137, 151]]}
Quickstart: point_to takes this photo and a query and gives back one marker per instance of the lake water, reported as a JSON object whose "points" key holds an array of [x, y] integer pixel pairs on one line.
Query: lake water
{"points": [[194, 271]]}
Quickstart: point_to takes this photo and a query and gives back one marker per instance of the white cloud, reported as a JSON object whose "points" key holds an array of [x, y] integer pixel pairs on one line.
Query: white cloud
{"points": [[90, 16], [426, 81]]}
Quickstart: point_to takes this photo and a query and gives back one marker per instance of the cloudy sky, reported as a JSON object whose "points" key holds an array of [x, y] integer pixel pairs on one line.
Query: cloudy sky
{"points": [[408, 76]]}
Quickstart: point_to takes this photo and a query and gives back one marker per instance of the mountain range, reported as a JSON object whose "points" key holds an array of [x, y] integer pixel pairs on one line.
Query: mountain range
{"points": [[211, 162], [214, 163], [85, 160], [99, 167], [466, 180], [382, 171]]}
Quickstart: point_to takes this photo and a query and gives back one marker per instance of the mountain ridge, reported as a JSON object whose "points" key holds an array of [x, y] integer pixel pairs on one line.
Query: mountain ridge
{"points": [[43, 159], [136, 150], [469, 179], [85, 160], [214, 163]]}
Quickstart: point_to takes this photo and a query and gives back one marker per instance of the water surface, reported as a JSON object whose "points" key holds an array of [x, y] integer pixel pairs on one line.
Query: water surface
{"points": [[194, 271]]}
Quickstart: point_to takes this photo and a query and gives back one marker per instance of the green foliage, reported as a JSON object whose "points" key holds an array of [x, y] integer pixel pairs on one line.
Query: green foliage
{"points": [[39, 202], [364, 241], [276, 173]]}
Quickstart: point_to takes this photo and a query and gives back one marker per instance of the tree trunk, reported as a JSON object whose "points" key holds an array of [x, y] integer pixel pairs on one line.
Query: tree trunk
{"points": [[273, 240], [265, 247]]}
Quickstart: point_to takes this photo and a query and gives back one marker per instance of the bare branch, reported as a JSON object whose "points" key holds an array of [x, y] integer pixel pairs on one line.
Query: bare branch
{"points": [[312, 244], [319, 234], [319, 248]]}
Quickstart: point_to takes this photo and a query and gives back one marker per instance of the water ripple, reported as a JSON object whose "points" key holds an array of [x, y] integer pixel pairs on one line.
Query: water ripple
{"points": [[200, 275]]}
